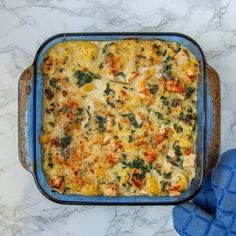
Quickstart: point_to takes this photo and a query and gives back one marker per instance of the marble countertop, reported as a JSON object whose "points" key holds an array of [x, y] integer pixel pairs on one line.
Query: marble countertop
{"points": [[24, 26]]}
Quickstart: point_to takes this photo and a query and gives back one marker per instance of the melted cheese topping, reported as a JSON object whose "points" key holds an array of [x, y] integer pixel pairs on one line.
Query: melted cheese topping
{"points": [[119, 118]]}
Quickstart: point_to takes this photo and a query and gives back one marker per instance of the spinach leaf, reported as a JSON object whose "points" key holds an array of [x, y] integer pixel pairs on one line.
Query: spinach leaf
{"points": [[139, 175], [52, 124], [65, 141], [106, 47], [179, 161], [153, 88], [108, 90], [131, 139], [157, 49], [167, 175], [79, 115], [177, 150], [49, 94], [159, 115], [178, 128], [101, 122], [83, 78], [189, 92], [53, 83], [140, 165], [110, 102], [164, 100], [132, 119], [166, 70]]}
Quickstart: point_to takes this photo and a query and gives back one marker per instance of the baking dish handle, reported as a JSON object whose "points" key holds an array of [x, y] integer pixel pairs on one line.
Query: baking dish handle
{"points": [[26, 118], [213, 118]]}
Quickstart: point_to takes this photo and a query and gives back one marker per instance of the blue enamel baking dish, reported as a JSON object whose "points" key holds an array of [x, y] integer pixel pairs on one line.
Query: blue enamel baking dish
{"points": [[30, 113]]}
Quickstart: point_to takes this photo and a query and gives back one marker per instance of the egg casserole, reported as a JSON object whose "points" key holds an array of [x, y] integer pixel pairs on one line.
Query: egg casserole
{"points": [[119, 117]]}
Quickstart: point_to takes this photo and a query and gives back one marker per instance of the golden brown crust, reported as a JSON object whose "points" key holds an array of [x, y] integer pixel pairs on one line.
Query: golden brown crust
{"points": [[119, 118]]}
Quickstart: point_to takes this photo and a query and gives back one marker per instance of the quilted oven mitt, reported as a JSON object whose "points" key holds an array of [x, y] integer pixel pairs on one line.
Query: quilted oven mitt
{"points": [[213, 211]]}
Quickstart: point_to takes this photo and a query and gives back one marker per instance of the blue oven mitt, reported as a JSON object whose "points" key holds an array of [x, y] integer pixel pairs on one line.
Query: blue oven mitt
{"points": [[213, 211]]}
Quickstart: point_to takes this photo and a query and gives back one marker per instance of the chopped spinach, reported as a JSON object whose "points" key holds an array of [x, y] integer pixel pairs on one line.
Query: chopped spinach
{"points": [[65, 141], [106, 47], [80, 111], [171, 160], [167, 122], [48, 111], [157, 170], [49, 94], [108, 90], [53, 83], [120, 74], [79, 115], [188, 117], [177, 150], [131, 139], [52, 124], [164, 53], [174, 103], [159, 115], [181, 116], [166, 70], [139, 175], [167, 175], [164, 184], [83, 78], [137, 164], [157, 49], [189, 92], [50, 164], [178, 128], [164, 100], [120, 126], [101, 65], [153, 88], [101, 122], [190, 109], [179, 162], [124, 156], [168, 58], [132, 119], [65, 152], [109, 103]]}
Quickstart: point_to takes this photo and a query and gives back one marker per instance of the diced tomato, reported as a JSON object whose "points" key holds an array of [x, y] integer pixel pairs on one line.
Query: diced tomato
{"points": [[174, 188], [123, 92], [150, 156], [113, 70], [119, 145], [56, 182], [54, 142], [176, 86], [145, 92], [111, 158], [187, 151], [137, 179], [159, 138], [64, 93]]}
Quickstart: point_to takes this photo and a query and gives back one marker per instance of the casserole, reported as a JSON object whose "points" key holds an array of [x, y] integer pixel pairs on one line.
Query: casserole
{"points": [[30, 121]]}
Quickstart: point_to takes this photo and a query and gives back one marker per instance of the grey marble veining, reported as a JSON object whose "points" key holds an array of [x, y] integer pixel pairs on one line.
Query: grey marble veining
{"points": [[24, 25]]}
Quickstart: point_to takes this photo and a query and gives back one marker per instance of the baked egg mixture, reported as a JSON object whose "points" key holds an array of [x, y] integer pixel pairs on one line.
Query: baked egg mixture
{"points": [[119, 117]]}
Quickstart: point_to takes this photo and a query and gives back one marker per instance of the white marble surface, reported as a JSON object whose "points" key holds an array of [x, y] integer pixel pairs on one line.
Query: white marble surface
{"points": [[24, 25]]}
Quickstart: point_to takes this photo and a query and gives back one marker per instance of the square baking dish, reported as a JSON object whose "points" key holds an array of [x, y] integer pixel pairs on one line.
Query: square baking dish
{"points": [[30, 121]]}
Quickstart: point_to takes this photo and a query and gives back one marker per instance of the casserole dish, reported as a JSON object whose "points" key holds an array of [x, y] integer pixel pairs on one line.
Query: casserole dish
{"points": [[30, 120]]}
